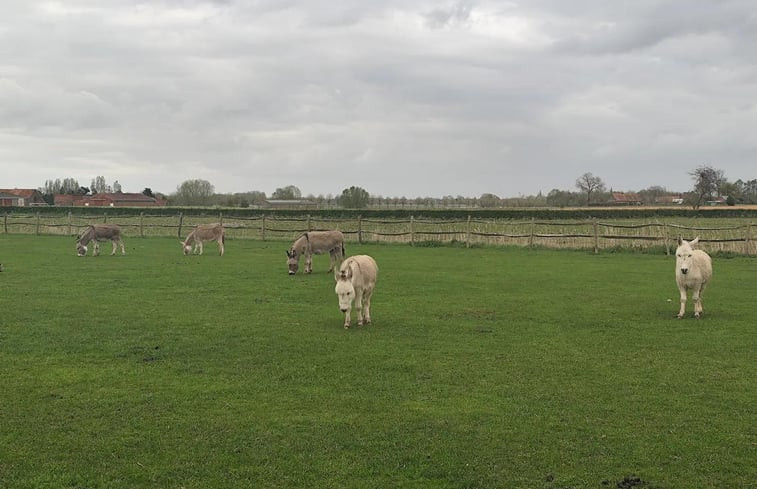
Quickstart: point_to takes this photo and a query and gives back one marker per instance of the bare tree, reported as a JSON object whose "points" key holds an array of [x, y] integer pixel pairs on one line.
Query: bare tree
{"points": [[707, 180], [589, 184]]}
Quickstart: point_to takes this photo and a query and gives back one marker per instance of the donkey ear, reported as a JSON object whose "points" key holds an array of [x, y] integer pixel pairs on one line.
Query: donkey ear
{"points": [[694, 241], [680, 240]]}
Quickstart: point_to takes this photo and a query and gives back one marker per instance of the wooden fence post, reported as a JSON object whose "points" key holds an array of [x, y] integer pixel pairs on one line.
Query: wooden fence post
{"points": [[412, 231], [220, 218], [262, 228], [531, 236], [181, 221], [69, 223], [105, 217], [5, 223], [467, 233], [360, 229], [596, 236], [667, 238], [37, 230], [141, 225], [310, 227], [748, 239]]}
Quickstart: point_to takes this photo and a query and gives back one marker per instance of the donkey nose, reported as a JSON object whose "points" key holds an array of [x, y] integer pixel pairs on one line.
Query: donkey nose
{"points": [[343, 309], [291, 272], [684, 271]]}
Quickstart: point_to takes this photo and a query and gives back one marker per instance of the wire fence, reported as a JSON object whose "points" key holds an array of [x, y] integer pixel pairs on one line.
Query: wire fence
{"points": [[735, 236]]}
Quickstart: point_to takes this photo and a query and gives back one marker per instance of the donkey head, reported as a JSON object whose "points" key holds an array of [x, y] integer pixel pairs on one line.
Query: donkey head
{"points": [[293, 261], [684, 254], [345, 291]]}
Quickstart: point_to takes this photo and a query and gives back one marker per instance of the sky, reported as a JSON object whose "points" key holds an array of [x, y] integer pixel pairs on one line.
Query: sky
{"points": [[407, 98]]}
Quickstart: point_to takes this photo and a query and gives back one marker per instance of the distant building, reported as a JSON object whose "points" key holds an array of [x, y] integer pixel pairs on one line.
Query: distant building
{"points": [[624, 198], [108, 200], [290, 204], [669, 199], [25, 196], [9, 200]]}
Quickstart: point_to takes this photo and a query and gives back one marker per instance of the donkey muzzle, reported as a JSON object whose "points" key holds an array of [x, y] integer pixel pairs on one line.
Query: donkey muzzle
{"points": [[684, 271]]}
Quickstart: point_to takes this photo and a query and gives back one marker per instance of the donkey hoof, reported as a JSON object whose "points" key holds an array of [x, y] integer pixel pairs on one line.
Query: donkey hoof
{"points": [[346, 326], [679, 316]]}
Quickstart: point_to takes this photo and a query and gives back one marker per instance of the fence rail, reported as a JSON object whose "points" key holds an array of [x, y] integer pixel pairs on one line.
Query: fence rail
{"points": [[590, 234]]}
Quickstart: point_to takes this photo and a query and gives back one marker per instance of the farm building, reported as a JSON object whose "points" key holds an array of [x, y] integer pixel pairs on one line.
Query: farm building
{"points": [[624, 198], [108, 200], [22, 197], [291, 204]]}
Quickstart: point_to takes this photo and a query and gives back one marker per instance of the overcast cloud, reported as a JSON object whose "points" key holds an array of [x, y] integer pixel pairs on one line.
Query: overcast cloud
{"points": [[401, 97]]}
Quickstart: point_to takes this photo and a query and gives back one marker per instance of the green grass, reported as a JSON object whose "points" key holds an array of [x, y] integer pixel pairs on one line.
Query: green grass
{"points": [[484, 368]]}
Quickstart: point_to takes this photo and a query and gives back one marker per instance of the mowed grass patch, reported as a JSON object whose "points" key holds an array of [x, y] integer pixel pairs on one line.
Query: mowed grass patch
{"points": [[484, 367]]}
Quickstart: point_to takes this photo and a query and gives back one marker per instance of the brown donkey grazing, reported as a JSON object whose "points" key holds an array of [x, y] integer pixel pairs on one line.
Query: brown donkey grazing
{"points": [[97, 233], [204, 232], [316, 243]]}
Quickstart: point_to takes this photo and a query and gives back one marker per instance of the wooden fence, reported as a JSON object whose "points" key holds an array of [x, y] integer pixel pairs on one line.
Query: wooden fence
{"points": [[591, 234]]}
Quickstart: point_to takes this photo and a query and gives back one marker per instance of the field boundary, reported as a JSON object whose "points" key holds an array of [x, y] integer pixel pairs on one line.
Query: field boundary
{"points": [[581, 234]]}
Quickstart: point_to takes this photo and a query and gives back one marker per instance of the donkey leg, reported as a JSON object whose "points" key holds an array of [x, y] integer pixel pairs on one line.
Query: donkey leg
{"points": [[308, 263], [367, 306], [359, 306], [682, 311], [115, 247], [333, 260], [220, 246], [96, 251], [697, 298]]}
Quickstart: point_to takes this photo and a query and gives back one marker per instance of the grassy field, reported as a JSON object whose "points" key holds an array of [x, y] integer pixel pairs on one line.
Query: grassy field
{"points": [[484, 368]]}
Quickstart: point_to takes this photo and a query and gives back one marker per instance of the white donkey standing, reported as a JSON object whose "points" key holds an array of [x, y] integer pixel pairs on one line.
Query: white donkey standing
{"points": [[204, 232], [693, 271], [355, 282]]}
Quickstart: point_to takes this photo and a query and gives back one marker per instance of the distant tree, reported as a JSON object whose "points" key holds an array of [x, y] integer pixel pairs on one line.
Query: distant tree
{"points": [[148, 192], [563, 198], [707, 181], [194, 192], [99, 185], [70, 186], [116, 187], [651, 195], [589, 184], [52, 187], [488, 200], [354, 198], [748, 191], [289, 192]]}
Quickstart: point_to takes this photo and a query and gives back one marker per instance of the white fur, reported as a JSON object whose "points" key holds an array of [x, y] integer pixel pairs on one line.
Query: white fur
{"points": [[354, 284], [693, 271]]}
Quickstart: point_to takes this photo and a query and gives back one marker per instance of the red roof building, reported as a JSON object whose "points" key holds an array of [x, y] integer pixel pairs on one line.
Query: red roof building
{"points": [[26, 196]]}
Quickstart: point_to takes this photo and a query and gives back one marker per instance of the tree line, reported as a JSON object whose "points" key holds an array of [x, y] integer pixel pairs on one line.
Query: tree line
{"points": [[708, 184]]}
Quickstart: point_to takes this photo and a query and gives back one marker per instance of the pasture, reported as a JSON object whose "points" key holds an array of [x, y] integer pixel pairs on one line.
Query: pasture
{"points": [[484, 368]]}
